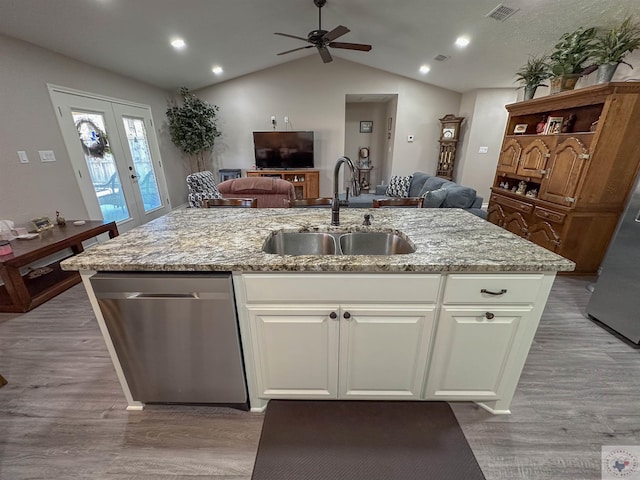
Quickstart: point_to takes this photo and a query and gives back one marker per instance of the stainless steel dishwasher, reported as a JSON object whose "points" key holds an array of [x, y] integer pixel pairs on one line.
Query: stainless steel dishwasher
{"points": [[176, 336]]}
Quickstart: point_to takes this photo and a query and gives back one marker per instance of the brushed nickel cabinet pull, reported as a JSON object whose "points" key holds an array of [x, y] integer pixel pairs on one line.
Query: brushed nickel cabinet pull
{"points": [[489, 292]]}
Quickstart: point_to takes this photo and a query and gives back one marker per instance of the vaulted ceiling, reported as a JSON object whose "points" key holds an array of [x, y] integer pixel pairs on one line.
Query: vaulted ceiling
{"points": [[132, 37]]}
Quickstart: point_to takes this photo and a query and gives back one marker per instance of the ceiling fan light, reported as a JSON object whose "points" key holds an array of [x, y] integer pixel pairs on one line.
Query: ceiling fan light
{"points": [[424, 69], [217, 70]]}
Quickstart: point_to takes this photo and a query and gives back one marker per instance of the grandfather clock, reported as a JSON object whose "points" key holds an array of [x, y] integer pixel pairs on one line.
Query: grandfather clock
{"points": [[449, 136]]}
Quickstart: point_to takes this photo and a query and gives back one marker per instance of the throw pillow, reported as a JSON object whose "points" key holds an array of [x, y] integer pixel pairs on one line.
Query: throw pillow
{"points": [[459, 197], [434, 198], [434, 183], [399, 186], [417, 182]]}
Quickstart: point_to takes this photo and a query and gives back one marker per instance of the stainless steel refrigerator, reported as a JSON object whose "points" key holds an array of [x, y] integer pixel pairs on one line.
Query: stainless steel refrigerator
{"points": [[615, 301]]}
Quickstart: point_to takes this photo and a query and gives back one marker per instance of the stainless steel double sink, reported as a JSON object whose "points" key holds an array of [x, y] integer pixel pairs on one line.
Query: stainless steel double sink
{"points": [[338, 243]]}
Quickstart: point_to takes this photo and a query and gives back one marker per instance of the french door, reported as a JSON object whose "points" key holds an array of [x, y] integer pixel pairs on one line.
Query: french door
{"points": [[115, 156]]}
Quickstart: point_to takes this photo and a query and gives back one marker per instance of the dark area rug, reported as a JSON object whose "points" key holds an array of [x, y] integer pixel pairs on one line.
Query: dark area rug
{"points": [[330, 440]]}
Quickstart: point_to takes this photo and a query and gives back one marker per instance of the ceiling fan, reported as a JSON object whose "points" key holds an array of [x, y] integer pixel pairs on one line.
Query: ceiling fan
{"points": [[321, 39]]}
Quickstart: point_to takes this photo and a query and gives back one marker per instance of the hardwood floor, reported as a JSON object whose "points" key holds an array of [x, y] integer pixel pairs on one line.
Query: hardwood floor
{"points": [[62, 414]]}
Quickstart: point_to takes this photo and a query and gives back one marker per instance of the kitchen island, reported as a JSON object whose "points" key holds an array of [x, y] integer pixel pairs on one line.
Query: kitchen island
{"points": [[452, 321]]}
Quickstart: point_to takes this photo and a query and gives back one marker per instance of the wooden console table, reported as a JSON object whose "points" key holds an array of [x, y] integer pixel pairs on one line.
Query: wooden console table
{"points": [[306, 182], [21, 293]]}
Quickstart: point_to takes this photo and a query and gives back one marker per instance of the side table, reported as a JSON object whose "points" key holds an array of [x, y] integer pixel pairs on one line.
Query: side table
{"points": [[21, 293]]}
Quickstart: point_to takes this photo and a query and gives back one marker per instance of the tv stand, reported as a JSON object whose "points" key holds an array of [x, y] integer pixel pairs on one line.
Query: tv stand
{"points": [[306, 181]]}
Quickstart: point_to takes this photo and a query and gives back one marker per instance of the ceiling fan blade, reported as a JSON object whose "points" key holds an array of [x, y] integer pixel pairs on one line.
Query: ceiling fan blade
{"points": [[351, 46], [291, 36], [335, 33], [295, 49], [324, 53]]}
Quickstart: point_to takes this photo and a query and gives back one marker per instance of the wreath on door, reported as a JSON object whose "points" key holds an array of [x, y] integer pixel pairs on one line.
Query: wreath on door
{"points": [[93, 140]]}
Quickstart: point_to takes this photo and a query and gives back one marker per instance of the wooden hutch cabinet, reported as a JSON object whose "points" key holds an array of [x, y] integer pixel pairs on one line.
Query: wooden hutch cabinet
{"points": [[566, 191]]}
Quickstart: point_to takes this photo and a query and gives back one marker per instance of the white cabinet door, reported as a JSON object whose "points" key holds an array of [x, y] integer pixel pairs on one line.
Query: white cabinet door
{"points": [[472, 351], [384, 350], [295, 350]]}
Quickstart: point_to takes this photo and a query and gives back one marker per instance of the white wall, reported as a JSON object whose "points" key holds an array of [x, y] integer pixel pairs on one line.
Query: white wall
{"points": [[486, 120], [28, 122], [312, 95]]}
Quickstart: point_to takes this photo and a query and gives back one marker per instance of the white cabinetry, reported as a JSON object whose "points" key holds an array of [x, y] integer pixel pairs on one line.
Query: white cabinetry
{"points": [[296, 350], [331, 351], [377, 348], [472, 351], [485, 328], [384, 350], [388, 336]]}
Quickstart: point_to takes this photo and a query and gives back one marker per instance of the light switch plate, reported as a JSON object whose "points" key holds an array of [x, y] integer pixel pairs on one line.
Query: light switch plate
{"points": [[47, 155], [22, 155], [483, 150]]}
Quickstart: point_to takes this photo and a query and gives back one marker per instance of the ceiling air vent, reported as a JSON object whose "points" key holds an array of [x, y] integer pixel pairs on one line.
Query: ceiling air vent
{"points": [[501, 12], [440, 58]]}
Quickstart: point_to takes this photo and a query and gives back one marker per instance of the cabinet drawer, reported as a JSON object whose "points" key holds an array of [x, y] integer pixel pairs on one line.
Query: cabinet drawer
{"points": [[341, 288], [549, 215], [462, 288], [513, 203]]}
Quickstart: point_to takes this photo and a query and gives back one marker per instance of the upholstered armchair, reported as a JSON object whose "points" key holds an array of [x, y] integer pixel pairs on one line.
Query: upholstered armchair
{"points": [[201, 185], [270, 192]]}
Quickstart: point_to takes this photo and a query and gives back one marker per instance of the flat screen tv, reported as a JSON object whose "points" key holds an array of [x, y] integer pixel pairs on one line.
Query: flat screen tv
{"points": [[285, 150]]}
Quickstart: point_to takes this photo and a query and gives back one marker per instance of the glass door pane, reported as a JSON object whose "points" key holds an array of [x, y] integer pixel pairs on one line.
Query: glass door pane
{"points": [[94, 139], [115, 157], [142, 163]]}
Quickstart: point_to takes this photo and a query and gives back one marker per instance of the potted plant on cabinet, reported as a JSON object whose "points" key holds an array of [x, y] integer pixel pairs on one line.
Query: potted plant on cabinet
{"points": [[533, 74], [611, 46], [567, 61], [193, 128]]}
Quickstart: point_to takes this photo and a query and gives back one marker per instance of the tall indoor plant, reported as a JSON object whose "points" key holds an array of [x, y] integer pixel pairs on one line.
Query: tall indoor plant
{"points": [[567, 61], [193, 128], [611, 46], [533, 74]]}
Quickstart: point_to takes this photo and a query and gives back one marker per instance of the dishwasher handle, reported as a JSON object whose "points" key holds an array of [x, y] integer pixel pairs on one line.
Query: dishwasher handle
{"points": [[162, 295]]}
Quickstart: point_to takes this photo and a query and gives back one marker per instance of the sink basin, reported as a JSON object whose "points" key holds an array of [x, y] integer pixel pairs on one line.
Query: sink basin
{"points": [[353, 243], [374, 243], [300, 243]]}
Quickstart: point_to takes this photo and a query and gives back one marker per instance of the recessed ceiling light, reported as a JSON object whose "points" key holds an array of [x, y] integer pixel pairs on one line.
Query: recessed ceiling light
{"points": [[217, 70], [462, 42], [425, 69], [178, 43]]}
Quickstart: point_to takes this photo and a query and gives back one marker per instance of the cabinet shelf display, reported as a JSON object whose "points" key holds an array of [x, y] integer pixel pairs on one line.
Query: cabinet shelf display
{"points": [[554, 126], [564, 188]]}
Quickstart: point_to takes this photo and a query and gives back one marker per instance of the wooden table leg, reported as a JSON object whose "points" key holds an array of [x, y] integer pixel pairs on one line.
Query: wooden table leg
{"points": [[3, 382], [17, 290]]}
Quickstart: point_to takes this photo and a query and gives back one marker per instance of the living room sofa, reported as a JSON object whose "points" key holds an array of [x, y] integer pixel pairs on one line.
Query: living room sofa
{"points": [[270, 192], [442, 193]]}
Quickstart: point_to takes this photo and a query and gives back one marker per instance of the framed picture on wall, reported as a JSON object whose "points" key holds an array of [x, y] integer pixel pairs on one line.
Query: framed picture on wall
{"points": [[366, 126]]}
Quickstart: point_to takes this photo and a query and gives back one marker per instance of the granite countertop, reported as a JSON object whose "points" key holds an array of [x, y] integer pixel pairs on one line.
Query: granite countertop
{"points": [[230, 239]]}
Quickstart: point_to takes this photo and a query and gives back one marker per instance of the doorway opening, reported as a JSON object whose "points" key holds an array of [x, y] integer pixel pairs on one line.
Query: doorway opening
{"points": [[370, 122]]}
